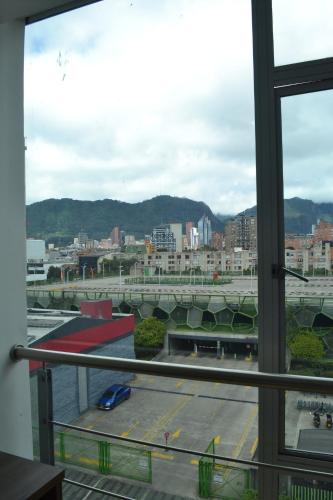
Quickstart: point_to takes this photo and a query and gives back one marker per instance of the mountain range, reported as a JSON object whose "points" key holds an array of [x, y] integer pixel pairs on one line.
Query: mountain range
{"points": [[300, 214], [60, 220]]}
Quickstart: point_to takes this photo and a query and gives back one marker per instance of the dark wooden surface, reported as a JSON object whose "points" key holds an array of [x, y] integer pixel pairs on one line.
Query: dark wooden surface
{"points": [[22, 479]]}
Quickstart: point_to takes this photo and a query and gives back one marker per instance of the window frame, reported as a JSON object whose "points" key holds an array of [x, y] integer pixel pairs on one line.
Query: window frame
{"points": [[271, 84]]}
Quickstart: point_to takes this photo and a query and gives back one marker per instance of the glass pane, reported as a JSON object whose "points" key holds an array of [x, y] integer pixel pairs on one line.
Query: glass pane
{"points": [[305, 488], [308, 218], [192, 415], [308, 423], [126, 102], [302, 30], [141, 184]]}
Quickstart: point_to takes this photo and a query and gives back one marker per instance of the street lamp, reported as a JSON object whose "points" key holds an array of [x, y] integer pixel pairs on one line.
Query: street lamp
{"points": [[251, 269], [120, 271]]}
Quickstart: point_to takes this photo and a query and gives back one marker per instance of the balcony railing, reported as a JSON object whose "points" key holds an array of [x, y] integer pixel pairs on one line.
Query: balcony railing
{"points": [[188, 372]]}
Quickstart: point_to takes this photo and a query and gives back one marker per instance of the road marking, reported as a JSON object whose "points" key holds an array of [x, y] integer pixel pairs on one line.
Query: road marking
{"points": [[160, 424], [90, 461], [217, 439], [254, 447], [176, 434], [133, 426], [194, 462], [180, 383], [164, 456], [237, 449]]}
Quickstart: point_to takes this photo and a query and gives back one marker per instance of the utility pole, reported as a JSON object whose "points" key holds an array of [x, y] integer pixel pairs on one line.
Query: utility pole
{"points": [[120, 271]]}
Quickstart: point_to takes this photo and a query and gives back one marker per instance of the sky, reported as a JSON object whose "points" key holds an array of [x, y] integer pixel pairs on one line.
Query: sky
{"points": [[132, 99]]}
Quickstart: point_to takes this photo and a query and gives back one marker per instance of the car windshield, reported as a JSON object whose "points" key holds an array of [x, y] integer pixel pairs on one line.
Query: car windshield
{"points": [[108, 393]]}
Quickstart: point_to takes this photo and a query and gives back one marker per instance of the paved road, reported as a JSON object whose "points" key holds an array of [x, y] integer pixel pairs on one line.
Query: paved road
{"points": [[322, 287], [193, 413]]}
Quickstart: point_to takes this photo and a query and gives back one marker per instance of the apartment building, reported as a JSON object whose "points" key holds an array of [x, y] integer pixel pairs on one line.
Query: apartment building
{"points": [[36, 256], [163, 238], [241, 232], [317, 257], [209, 261]]}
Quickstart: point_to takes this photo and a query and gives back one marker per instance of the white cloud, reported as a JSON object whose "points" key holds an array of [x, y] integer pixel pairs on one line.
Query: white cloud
{"points": [[123, 100], [128, 100]]}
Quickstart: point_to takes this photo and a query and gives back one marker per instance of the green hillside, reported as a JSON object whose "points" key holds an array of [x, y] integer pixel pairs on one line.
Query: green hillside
{"points": [[59, 221], [301, 214]]}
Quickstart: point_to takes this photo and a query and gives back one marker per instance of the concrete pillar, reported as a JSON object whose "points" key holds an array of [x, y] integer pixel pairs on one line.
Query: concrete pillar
{"points": [[83, 388], [218, 349], [15, 415]]}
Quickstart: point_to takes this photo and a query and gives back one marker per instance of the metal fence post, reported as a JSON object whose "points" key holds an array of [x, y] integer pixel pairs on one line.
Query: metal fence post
{"points": [[45, 415]]}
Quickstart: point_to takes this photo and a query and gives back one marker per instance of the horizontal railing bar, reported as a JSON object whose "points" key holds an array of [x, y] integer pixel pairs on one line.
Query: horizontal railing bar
{"points": [[189, 372], [201, 454], [97, 490]]}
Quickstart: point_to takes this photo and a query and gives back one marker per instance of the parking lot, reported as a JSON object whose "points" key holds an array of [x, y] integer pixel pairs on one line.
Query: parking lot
{"points": [[193, 413]]}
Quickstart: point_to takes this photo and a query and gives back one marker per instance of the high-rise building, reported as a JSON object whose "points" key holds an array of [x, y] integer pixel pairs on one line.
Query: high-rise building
{"points": [[176, 228], [163, 239], [188, 228], [205, 231], [122, 238], [115, 236], [82, 237], [217, 241], [194, 239], [241, 232]]}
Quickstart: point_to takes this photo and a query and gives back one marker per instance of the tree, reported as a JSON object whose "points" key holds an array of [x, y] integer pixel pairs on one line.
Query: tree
{"points": [[111, 267], [307, 346], [54, 273], [150, 333]]}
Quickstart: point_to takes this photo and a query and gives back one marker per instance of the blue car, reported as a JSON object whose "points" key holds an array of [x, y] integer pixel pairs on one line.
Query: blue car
{"points": [[114, 395]]}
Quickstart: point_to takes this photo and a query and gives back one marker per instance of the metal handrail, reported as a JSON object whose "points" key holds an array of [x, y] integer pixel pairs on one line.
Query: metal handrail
{"points": [[189, 372], [96, 490], [201, 454]]}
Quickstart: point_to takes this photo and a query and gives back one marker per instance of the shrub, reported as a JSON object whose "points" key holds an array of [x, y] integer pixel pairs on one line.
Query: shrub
{"points": [[150, 333], [307, 346]]}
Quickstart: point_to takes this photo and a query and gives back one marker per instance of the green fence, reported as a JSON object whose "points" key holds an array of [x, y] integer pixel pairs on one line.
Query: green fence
{"points": [[221, 481], [104, 457], [308, 493], [206, 471]]}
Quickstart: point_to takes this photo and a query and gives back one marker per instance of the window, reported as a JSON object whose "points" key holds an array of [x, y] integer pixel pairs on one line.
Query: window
{"points": [[284, 128], [143, 107]]}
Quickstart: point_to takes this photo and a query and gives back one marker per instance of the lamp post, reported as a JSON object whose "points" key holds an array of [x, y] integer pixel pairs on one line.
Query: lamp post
{"points": [[251, 278], [120, 271]]}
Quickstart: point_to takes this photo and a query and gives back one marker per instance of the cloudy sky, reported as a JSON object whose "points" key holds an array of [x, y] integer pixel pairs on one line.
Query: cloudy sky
{"points": [[129, 99]]}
